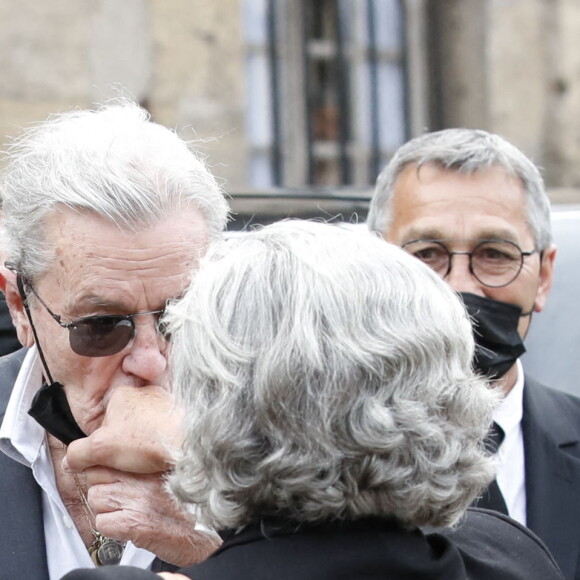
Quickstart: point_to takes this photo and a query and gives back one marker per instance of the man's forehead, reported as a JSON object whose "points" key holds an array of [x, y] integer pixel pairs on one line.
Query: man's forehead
{"points": [[96, 262], [90, 290], [443, 203], [86, 232]]}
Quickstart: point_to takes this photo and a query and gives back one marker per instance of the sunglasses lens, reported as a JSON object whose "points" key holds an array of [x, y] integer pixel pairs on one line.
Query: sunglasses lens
{"points": [[101, 335]]}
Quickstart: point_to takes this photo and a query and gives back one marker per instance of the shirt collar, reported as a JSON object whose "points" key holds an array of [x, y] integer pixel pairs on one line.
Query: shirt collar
{"points": [[21, 437]]}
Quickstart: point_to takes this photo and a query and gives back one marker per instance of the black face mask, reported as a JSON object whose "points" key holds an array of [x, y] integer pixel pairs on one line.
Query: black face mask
{"points": [[50, 406], [495, 329], [51, 410]]}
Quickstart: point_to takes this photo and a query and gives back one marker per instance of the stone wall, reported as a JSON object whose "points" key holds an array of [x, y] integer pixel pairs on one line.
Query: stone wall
{"points": [[182, 59], [513, 67], [510, 66]]}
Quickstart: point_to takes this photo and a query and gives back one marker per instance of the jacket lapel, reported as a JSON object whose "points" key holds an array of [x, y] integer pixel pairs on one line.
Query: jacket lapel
{"points": [[551, 432], [22, 547]]}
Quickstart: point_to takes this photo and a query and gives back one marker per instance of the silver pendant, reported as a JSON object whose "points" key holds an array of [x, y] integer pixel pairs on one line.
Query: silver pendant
{"points": [[106, 551], [110, 552]]}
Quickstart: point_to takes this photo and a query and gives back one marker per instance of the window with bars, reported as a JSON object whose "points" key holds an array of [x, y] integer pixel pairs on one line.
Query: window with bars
{"points": [[326, 98]]}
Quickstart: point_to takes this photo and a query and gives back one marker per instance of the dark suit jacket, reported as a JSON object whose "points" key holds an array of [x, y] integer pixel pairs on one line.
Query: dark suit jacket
{"points": [[487, 546], [551, 432], [22, 546], [8, 339]]}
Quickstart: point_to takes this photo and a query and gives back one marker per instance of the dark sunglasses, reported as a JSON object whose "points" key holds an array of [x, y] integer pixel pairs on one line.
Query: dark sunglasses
{"points": [[97, 336]]}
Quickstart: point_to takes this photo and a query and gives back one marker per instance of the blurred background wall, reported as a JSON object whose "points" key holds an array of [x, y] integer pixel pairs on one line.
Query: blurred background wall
{"points": [[297, 93]]}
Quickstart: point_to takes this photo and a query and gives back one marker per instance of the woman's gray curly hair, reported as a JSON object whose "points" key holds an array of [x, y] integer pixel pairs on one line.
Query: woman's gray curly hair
{"points": [[325, 374]]}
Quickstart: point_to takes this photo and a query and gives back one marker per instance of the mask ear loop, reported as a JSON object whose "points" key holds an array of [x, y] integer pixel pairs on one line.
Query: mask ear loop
{"points": [[50, 406], [24, 297]]}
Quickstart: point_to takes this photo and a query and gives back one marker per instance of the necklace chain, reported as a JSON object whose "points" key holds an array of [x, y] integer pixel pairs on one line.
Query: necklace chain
{"points": [[103, 551]]}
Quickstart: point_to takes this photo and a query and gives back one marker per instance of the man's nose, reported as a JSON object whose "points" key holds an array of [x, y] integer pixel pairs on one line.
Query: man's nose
{"points": [[146, 358], [460, 277]]}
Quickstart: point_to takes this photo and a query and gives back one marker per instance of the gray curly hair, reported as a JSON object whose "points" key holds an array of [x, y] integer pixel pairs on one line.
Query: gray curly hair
{"points": [[325, 374], [465, 151], [111, 161]]}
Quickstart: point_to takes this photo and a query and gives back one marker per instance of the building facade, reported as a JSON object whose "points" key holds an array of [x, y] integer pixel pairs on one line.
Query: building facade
{"points": [[302, 93]]}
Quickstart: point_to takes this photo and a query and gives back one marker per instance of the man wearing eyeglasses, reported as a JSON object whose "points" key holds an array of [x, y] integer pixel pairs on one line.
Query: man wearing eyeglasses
{"points": [[104, 213], [473, 208]]}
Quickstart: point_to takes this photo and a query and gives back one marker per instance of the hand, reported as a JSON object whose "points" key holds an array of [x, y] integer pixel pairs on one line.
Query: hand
{"points": [[125, 461], [137, 507], [173, 576], [140, 431]]}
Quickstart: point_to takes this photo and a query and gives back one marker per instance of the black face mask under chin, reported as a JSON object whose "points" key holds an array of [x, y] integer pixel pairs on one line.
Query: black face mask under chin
{"points": [[495, 329], [50, 406], [51, 410]]}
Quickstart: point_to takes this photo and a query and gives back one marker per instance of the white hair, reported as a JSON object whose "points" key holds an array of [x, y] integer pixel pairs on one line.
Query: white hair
{"points": [[111, 161], [325, 374], [465, 151]]}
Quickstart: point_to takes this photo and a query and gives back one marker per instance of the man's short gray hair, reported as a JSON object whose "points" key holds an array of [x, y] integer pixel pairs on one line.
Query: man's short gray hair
{"points": [[111, 161], [465, 151], [325, 374]]}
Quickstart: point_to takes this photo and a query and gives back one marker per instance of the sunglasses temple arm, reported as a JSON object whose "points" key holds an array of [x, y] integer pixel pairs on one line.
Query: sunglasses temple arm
{"points": [[24, 298]]}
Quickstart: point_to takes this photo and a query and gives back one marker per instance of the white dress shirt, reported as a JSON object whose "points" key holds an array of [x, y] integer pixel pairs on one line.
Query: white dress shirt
{"points": [[23, 439], [511, 477]]}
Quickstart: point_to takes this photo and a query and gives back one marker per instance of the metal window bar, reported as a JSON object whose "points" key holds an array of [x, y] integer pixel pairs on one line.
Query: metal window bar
{"points": [[277, 160], [406, 72], [308, 127], [375, 156], [344, 104]]}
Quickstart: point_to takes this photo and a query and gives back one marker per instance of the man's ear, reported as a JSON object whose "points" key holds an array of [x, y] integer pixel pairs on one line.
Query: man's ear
{"points": [[546, 277], [16, 306]]}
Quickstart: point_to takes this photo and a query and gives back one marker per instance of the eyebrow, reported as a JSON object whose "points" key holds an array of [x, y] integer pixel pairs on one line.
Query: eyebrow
{"points": [[87, 301], [437, 234]]}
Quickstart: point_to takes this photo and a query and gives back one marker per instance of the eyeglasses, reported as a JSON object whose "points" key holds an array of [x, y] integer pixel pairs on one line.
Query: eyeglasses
{"points": [[494, 263], [105, 335]]}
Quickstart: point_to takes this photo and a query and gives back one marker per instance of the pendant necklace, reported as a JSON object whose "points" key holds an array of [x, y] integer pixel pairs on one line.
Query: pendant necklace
{"points": [[103, 551]]}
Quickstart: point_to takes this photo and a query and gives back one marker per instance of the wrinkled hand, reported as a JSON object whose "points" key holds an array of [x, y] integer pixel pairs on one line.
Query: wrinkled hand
{"points": [[136, 507], [125, 462], [140, 430]]}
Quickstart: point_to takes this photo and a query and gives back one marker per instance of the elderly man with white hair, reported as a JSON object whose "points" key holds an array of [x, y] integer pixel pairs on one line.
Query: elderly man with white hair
{"points": [[104, 214], [330, 412]]}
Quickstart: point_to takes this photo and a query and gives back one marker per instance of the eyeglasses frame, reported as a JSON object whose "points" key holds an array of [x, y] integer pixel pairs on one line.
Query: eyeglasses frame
{"points": [[76, 321], [439, 242], [24, 284]]}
